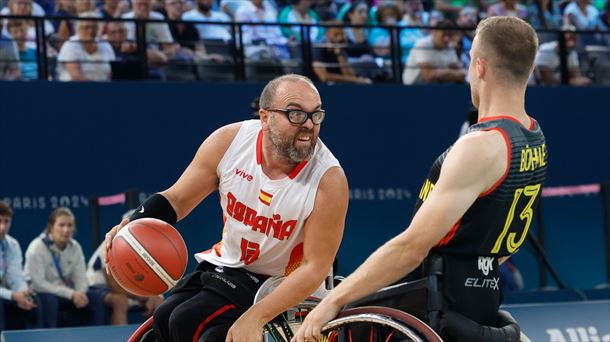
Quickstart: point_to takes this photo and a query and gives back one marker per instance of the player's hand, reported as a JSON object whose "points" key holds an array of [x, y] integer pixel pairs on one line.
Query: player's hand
{"points": [[245, 329], [80, 299], [23, 299], [108, 240], [151, 304], [315, 320]]}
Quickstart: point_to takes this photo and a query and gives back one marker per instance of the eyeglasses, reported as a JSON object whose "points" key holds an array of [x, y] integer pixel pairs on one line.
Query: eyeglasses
{"points": [[298, 117]]}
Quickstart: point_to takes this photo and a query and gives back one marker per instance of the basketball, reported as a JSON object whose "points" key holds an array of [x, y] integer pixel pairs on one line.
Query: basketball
{"points": [[148, 256]]}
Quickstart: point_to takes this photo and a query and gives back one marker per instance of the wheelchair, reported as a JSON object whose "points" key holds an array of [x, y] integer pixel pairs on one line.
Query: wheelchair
{"points": [[377, 317]]}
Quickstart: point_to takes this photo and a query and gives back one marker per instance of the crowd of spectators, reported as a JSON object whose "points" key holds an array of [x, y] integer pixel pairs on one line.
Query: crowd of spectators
{"points": [[433, 43], [55, 287]]}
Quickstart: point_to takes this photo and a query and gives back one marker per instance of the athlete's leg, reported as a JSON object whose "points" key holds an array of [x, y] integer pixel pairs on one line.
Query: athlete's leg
{"points": [[163, 312], [195, 316]]}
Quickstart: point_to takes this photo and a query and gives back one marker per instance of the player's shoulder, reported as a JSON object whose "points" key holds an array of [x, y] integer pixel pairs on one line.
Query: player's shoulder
{"points": [[481, 146]]}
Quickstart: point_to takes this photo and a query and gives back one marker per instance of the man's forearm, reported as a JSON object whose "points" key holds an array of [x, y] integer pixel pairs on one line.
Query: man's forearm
{"points": [[293, 290]]}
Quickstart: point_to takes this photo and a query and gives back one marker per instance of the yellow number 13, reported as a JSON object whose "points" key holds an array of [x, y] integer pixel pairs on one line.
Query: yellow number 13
{"points": [[527, 214]]}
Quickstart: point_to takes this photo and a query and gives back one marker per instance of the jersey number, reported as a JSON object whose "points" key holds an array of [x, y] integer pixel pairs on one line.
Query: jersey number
{"points": [[249, 251], [530, 191]]}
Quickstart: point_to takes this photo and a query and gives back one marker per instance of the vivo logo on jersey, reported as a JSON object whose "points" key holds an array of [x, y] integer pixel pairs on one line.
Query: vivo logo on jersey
{"points": [[486, 264], [262, 224], [244, 175]]}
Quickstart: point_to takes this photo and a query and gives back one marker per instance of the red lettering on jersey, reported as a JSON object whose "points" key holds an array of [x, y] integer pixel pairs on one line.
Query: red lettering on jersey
{"points": [[244, 175], [265, 225], [249, 251]]}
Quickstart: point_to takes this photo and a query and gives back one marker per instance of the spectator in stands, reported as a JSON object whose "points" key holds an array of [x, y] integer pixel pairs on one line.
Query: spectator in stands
{"points": [[55, 264], [468, 19], [27, 55], [158, 35], [357, 13], [29, 8], [9, 59], [380, 38], [204, 12], [300, 12], [544, 14], [511, 8], [127, 62], [326, 10], [17, 301], [581, 14], [414, 16], [117, 299], [230, 7], [261, 42], [603, 24], [433, 60], [65, 8], [183, 34], [330, 61], [85, 57], [67, 28], [114, 8], [548, 63], [452, 8]]}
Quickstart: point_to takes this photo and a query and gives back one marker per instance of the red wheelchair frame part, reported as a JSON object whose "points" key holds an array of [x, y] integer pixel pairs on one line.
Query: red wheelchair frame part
{"points": [[142, 329]]}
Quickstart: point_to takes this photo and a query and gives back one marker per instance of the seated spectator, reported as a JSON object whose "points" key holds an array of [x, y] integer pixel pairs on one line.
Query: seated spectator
{"points": [[183, 34], [127, 64], [118, 300], [326, 10], [67, 28], [27, 55], [9, 59], [230, 7], [55, 264], [433, 60], [452, 8], [203, 12], [544, 14], [414, 16], [158, 35], [603, 24], [261, 42], [28, 8], [18, 302], [357, 13], [380, 38], [510, 8], [330, 61], [65, 8], [548, 63], [85, 57], [581, 14], [114, 8], [300, 12], [467, 19]]}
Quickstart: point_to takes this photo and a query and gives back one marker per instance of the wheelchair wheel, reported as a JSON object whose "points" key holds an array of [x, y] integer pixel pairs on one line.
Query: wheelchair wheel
{"points": [[375, 323], [283, 327]]}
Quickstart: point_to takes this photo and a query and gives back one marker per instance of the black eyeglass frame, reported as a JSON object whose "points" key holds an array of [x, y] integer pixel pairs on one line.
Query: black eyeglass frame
{"points": [[308, 115]]}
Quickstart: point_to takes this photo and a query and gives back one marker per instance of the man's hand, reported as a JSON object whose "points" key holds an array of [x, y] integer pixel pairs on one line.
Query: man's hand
{"points": [[23, 299], [315, 320], [108, 240], [151, 303], [245, 329], [80, 300]]}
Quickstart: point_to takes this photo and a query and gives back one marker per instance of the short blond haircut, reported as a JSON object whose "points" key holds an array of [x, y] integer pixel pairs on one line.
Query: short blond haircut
{"points": [[510, 44]]}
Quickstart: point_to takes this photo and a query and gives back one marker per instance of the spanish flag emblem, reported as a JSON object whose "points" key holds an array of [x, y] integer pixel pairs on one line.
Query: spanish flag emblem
{"points": [[265, 197]]}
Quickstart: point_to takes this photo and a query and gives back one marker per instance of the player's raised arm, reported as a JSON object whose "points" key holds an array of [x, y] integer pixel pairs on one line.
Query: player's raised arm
{"points": [[474, 164]]}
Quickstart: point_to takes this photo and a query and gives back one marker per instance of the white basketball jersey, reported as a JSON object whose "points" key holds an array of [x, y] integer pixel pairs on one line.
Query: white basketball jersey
{"points": [[263, 218]]}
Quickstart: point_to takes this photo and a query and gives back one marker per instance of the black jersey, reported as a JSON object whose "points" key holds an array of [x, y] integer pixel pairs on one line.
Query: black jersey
{"points": [[497, 222]]}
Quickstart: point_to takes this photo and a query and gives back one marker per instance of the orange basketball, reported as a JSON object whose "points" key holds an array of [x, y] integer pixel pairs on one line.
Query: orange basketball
{"points": [[147, 257]]}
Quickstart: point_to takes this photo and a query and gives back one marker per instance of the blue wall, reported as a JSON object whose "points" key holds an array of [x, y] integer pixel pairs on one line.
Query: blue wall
{"points": [[63, 142]]}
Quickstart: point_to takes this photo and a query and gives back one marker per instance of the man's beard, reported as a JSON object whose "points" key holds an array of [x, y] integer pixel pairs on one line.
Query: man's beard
{"points": [[285, 146]]}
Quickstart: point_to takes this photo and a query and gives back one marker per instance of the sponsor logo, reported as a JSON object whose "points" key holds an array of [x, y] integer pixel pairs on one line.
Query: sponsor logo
{"points": [[142, 210], [486, 264], [483, 283], [139, 277], [244, 175], [578, 334], [224, 280]]}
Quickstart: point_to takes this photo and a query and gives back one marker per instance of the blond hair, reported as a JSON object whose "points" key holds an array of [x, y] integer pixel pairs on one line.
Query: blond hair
{"points": [[510, 44]]}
